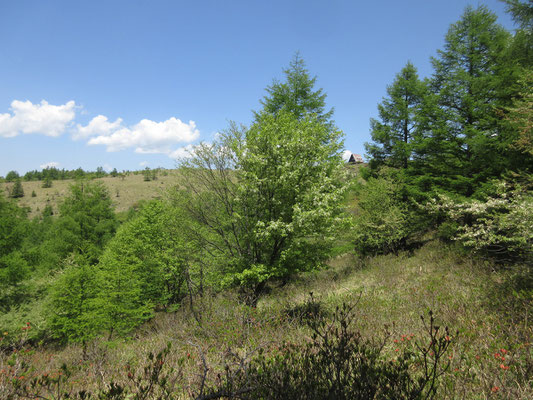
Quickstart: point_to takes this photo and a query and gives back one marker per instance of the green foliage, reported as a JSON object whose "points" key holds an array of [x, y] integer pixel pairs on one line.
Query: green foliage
{"points": [[522, 13], [147, 173], [86, 221], [520, 115], [12, 176], [17, 191], [73, 314], [47, 182], [448, 132], [265, 201], [392, 136], [13, 225], [463, 144], [382, 222], [13, 267], [499, 225], [296, 94], [146, 264]]}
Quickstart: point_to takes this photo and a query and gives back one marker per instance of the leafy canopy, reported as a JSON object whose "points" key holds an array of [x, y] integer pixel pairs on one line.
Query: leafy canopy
{"points": [[264, 201]]}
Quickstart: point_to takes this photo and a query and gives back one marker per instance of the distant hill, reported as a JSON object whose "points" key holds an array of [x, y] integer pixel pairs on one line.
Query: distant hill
{"points": [[125, 191]]}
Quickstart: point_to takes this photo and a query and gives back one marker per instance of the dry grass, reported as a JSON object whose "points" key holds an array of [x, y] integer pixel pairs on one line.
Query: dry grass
{"points": [[124, 192]]}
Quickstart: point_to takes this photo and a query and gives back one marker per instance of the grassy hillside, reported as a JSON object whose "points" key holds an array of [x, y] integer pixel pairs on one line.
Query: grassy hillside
{"points": [[124, 191], [490, 357]]}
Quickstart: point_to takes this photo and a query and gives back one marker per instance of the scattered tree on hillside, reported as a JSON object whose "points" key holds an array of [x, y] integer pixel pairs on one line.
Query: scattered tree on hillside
{"points": [[147, 174], [47, 182], [17, 190]]}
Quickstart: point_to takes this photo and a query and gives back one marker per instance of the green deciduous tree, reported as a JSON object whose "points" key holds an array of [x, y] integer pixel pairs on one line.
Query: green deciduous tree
{"points": [[265, 200], [399, 120]]}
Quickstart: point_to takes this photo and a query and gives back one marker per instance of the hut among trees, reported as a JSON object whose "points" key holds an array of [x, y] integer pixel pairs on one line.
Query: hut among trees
{"points": [[355, 159]]}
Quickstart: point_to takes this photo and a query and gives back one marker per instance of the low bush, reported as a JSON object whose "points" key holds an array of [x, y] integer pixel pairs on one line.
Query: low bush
{"points": [[338, 363]]}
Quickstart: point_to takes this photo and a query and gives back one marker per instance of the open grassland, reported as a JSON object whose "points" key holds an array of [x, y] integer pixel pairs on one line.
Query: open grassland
{"points": [[490, 357], [125, 192]]}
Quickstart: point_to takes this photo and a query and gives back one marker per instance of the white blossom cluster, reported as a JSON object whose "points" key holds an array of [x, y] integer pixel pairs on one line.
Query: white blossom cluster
{"points": [[502, 225]]}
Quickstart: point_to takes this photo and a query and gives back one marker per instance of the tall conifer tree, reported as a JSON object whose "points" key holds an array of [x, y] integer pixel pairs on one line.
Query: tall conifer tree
{"points": [[463, 141], [297, 94], [392, 134]]}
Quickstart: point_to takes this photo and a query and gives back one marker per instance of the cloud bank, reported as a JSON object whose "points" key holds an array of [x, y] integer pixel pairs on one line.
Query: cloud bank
{"points": [[45, 119], [99, 125], [147, 136]]}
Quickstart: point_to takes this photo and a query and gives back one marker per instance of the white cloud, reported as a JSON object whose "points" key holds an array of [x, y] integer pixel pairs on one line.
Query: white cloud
{"points": [[99, 126], [149, 136], [346, 155], [45, 119], [51, 164], [143, 163]]}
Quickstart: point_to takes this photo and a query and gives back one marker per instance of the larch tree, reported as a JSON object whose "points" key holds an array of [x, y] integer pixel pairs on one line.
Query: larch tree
{"points": [[296, 94], [462, 144], [398, 121]]}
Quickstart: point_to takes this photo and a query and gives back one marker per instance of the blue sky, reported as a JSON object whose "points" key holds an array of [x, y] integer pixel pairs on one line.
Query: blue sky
{"points": [[128, 84]]}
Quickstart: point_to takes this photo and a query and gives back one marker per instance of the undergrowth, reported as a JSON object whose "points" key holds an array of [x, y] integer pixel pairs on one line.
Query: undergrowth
{"points": [[280, 343]]}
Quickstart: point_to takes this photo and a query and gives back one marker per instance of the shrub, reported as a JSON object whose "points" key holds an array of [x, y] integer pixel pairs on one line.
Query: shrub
{"points": [[338, 363], [499, 226], [381, 221]]}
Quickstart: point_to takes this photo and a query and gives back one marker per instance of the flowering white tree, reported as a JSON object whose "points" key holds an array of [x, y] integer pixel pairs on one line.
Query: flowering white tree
{"points": [[265, 201], [501, 225]]}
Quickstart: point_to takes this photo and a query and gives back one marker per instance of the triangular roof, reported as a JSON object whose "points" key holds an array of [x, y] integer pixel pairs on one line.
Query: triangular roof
{"points": [[355, 158]]}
